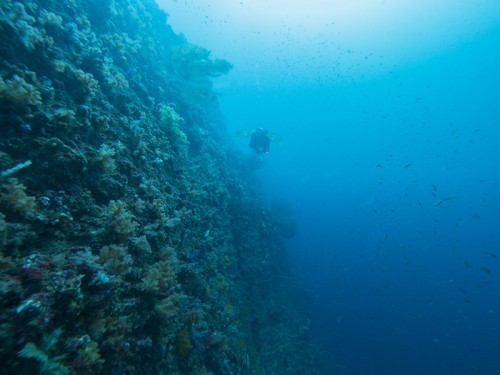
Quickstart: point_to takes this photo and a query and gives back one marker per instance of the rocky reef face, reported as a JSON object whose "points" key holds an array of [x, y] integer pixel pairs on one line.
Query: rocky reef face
{"points": [[131, 240]]}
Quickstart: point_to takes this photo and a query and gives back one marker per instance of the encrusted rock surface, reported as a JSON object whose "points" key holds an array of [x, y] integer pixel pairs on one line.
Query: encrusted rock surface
{"points": [[132, 239]]}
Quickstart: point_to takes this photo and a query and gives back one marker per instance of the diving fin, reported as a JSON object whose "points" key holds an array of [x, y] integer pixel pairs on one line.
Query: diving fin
{"points": [[276, 138], [244, 133]]}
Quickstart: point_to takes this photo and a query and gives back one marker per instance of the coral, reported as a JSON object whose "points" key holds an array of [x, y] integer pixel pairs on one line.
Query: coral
{"points": [[120, 220], [89, 359], [59, 65], [196, 60], [166, 308], [141, 245], [160, 277], [48, 364], [115, 260], [137, 241], [169, 117], [24, 24], [3, 227], [50, 18], [19, 92], [171, 121], [88, 83], [114, 79], [63, 117], [13, 195], [85, 259], [106, 156], [183, 344]]}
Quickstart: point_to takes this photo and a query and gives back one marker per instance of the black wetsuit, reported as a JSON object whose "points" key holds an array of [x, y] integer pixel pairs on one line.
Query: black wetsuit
{"points": [[260, 141]]}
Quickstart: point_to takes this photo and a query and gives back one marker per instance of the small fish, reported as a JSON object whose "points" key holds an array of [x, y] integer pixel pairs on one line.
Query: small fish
{"points": [[487, 270], [441, 202]]}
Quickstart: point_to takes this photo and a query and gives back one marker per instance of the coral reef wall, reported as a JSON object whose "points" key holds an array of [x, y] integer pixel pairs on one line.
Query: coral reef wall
{"points": [[131, 240]]}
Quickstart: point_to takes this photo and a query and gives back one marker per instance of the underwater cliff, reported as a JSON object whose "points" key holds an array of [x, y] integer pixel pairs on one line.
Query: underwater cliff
{"points": [[133, 237]]}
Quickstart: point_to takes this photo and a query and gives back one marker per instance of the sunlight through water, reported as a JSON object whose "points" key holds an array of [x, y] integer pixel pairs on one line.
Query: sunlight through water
{"points": [[281, 40]]}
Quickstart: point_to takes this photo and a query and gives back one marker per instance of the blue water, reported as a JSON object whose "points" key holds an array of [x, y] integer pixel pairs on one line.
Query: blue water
{"points": [[394, 176]]}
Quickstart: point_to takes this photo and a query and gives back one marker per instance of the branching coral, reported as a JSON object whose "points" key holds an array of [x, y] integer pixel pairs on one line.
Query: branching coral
{"points": [[13, 195], [121, 220], [160, 278], [171, 121], [116, 260], [19, 92], [106, 156]]}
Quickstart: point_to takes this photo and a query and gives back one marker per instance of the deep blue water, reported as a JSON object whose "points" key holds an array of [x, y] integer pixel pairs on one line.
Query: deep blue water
{"points": [[395, 182]]}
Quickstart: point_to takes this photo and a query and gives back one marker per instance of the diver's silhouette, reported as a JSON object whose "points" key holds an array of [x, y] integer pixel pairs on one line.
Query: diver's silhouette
{"points": [[260, 139]]}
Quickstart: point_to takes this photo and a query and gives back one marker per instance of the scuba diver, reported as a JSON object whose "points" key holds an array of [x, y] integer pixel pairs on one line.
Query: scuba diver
{"points": [[260, 139]]}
